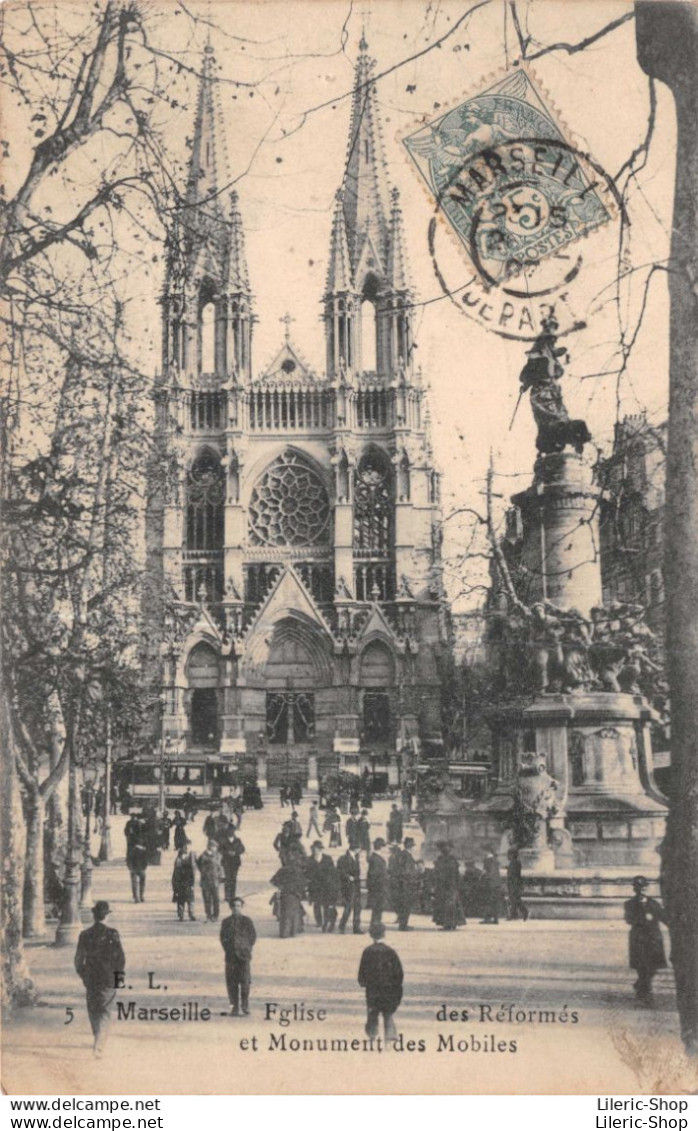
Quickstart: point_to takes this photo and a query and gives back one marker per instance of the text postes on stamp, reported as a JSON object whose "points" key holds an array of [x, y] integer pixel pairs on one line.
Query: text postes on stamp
{"points": [[513, 188]]}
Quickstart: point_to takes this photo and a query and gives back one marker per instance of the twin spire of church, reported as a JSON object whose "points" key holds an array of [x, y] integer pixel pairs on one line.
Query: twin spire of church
{"points": [[367, 260]]}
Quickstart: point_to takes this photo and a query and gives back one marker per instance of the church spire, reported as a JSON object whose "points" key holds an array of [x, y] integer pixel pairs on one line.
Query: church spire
{"points": [[339, 273], [238, 274], [207, 302], [208, 164], [398, 275], [365, 186]]}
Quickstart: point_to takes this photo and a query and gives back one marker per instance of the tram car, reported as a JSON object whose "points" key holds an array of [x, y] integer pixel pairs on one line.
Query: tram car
{"points": [[208, 780]]}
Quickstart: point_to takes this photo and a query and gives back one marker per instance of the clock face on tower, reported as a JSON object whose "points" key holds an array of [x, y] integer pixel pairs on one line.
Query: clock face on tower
{"points": [[289, 505]]}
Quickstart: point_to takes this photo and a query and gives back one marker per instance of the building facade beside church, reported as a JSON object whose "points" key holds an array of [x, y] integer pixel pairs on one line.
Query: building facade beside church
{"points": [[294, 614]]}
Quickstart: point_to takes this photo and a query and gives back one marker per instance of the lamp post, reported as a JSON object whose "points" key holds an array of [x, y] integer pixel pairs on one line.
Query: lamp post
{"points": [[105, 842], [70, 923], [89, 776]]}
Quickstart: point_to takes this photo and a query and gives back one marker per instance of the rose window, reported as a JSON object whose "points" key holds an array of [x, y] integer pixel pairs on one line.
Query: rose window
{"points": [[289, 504]]}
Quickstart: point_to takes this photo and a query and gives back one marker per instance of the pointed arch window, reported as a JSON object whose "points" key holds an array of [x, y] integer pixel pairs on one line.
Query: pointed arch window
{"points": [[373, 528], [205, 504], [208, 338], [368, 336]]}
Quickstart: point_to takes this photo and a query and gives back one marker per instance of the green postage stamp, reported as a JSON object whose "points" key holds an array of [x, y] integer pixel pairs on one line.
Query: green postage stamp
{"points": [[513, 188]]}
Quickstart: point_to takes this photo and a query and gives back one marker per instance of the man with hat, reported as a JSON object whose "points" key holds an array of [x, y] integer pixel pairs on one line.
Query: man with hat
{"points": [[238, 936], [323, 887], [377, 881], [100, 962], [381, 975], [644, 915], [404, 883]]}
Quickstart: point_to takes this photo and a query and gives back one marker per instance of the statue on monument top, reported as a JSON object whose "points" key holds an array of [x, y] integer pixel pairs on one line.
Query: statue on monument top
{"points": [[541, 374]]}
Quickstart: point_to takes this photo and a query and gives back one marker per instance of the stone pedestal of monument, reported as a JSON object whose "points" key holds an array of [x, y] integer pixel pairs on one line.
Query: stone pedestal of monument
{"points": [[602, 817]]}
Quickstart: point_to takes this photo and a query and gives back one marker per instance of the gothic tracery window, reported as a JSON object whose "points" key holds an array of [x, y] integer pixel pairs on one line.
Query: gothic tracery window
{"points": [[205, 500], [372, 508], [289, 505], [373, 529]]}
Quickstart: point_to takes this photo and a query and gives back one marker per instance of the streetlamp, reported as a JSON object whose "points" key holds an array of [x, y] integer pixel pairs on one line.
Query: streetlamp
{"points": [[89, 776], [105, 842], [70, 924]]}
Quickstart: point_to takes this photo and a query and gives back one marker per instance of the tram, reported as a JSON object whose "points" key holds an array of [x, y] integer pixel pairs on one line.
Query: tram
{"points": [[207, 779]]}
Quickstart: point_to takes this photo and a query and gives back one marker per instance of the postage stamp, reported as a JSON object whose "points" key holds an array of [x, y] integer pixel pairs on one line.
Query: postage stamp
{"points": [[513, 188]]}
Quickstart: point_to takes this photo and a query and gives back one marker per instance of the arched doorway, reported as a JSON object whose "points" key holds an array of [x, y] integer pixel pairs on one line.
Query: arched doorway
{"points": [[296, 670], [203, 679]]}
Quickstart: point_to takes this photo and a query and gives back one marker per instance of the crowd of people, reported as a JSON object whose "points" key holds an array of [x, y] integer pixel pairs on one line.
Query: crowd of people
{"points": [[394, 879], [147, 835]]}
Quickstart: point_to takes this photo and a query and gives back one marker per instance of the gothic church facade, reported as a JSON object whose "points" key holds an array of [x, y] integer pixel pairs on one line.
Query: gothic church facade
{"points": [[295, 612]]}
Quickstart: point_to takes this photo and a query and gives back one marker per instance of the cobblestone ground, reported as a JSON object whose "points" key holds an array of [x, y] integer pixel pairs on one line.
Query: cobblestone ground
{"points": [[550, 966]]}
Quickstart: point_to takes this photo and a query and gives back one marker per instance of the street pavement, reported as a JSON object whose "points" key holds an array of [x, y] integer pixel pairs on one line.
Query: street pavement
{"points": [[555, 968]]}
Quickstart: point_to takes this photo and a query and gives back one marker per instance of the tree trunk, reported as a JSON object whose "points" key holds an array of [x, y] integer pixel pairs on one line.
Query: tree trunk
{"points": [[667, 46], [16, 987], [34, 912]]}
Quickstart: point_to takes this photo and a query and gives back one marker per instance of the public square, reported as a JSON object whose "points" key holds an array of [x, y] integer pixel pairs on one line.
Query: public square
{"points": [[557, 966]]}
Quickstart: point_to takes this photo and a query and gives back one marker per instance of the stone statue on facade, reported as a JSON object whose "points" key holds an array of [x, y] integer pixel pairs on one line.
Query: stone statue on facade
{"points": [[542, 374]]}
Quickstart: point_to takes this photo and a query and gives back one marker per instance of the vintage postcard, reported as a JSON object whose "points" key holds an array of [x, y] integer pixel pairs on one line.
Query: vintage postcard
{"points": [[349, 548]]}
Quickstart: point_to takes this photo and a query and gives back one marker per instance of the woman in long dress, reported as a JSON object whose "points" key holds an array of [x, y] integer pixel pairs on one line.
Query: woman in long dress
{"points": [[448, 910]]}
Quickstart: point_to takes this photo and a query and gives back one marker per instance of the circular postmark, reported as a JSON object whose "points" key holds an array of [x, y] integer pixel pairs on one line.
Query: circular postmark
{"points": [[517, 208]]}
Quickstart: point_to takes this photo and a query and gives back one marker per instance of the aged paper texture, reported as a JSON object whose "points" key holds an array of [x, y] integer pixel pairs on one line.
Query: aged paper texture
{"points": [[335, 351]]}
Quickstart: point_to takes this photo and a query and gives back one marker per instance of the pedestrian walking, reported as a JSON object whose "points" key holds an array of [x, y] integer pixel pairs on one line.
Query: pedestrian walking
{"points": [[291, 883], [179, 826], [492, 887], [404, 883], [364, 832], [333, 825], [448, 913], [472, 887], [211, 872], [377, 884], [353, 832], [137, 860], [232, 850], [183, 881], [238, 936], [314, 820], [349, 872], [646, 947], [381, 975], [515, 902], [394, 826], [99, 960], [323, 887]]}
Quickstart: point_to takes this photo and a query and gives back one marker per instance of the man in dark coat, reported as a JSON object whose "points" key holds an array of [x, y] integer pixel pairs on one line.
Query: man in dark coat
{"points": [[394, 826], [405, 883], [99, 958], [238, 937], [381, 975], [472, 890], [232, 850], [137, 860], [377, 881], [349, 872], [291, 883], [353, 833], [183, 877], [646, 956], [515, 887], [448, 913], [323, 887], [365, 832], [491, 887]]}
